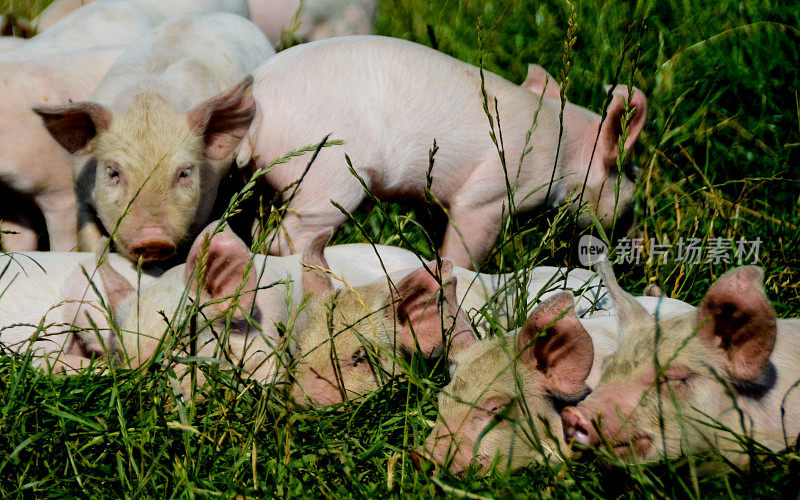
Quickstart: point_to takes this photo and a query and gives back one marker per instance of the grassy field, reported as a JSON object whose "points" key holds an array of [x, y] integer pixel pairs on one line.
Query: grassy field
{"points": [[719, 159]]}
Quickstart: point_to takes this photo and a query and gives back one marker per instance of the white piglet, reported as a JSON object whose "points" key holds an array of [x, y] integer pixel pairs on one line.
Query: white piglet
{"points": [[46, 302], [389, 99], [153, 141], [63, 65]]}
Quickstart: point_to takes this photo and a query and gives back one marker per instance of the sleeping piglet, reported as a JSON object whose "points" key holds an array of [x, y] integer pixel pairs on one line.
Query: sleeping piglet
{"points": [[221, 284], [390, 99], [350, 342], [505, 392], [729, 364]]}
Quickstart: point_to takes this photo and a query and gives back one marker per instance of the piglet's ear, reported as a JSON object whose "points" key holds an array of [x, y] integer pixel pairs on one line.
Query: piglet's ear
{"points": [[221, 264], [117, 288], [735, 316], [74, 126], [554, 342], [611, 130], [540, 82], [416, 311], [316, 280], [225, 119], [460, 335]]}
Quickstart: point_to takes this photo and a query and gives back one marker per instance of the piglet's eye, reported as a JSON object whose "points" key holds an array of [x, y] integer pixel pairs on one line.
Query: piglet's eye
{"points": [[496, 405], [184, 175], [360, 356], [113, 173], [677, 373]]}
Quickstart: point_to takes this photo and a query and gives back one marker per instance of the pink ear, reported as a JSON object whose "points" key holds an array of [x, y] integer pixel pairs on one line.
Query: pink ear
{"points": [[561, 348], [222, 264], [536, 80], [461, 335], [315, 280], [225, 119], [419, 318], [74, 126], [608, 145], [116, 287], [735, 316]]}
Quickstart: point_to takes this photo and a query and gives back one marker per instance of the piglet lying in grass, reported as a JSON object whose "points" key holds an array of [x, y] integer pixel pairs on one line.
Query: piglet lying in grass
{"points": [[231, 302], [502, 404], [388, 100], [354, 340], [700, 382], [159, 131], [46, 303]]}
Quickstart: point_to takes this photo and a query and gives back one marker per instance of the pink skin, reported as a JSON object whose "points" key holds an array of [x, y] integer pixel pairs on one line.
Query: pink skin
{"points": [[732, 344], [31, 162], [398, 119], [317, 20], [147, 162], [617, 402], [554, 355]]}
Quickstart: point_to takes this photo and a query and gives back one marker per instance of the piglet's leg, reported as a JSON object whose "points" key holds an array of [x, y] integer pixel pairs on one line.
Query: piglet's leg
{"points": [[471, 232], [311, 211], [89, 230], [60, 215]]}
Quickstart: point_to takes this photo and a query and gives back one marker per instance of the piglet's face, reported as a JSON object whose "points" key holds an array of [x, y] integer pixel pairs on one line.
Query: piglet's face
{"points": [[151, 171], [345, 351], [500, 404], [218, 286], [643, 412], [350, 342]]}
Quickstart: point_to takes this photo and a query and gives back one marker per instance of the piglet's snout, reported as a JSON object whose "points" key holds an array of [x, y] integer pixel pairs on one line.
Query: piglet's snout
{"points": [[153, 245], [577, 428]]}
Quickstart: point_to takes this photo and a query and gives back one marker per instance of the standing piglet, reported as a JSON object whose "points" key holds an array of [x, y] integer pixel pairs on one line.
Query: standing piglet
{"points": [[158, 133], [698, 382], [63, 65], [388, 100]]}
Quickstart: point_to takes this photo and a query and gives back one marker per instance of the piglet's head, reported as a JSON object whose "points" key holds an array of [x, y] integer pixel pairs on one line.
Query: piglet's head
{"points": [[645, 410], [152, 171], [501, 403], [601, 152], [213, 295], [351, 341]]}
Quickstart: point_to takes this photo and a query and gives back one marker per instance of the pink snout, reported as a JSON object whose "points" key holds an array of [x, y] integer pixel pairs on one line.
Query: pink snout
{"points": [[443, 450], [316, 390], [577, 428], [152, 245]]}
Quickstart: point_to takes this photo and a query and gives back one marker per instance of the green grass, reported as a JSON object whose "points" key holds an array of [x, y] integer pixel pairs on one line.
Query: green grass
{"points": [[719, 158]]}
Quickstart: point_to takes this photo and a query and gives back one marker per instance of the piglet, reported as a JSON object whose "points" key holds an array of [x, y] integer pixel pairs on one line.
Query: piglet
{"points": [[502, 403], [61, 9], [312, 20], [353, 341], [675, 385], [63, 65], [49, 309], [222, 284], [389, 100], [150, 146]]}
